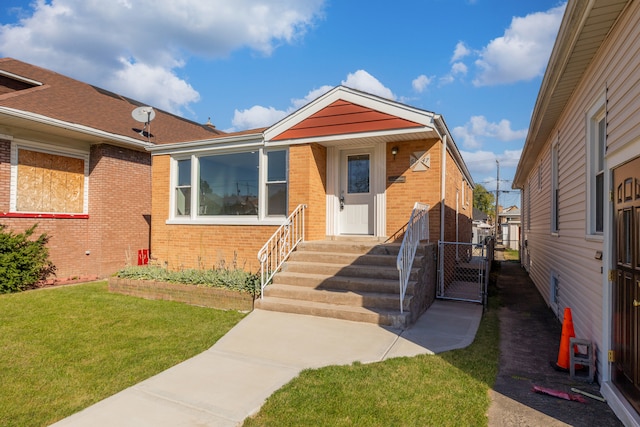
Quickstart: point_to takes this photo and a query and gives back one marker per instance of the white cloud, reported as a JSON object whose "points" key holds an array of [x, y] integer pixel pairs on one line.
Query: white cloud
{"points": [[483, 167], [478, 128], [460, 52], [141, 81], [421, 83], [458, 68], [522, 52], [365, 82], [259, 116], [256, 117], [445, 80], [312, 95], [86, 40]]}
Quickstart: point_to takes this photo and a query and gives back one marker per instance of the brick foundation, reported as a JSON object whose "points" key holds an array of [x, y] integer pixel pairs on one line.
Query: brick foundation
{"points": [[223, 299]]}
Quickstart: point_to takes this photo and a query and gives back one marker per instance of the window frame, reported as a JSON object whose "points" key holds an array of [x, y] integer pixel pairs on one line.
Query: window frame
{"points": [[596, 115], [555, 188], [55, 150], [196, 218]]}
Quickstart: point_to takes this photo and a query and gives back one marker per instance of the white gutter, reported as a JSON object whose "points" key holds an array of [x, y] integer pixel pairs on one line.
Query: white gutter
{"points": [[86, 130], [443, 185], [235, 141]]}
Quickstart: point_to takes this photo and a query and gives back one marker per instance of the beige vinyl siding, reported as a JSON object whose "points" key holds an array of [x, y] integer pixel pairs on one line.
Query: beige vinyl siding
{"points": [[571, 254]]}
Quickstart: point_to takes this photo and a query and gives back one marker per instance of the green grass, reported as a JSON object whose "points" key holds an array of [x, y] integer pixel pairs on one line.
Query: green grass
{"points": [[511, 255], [450, 389], [66, 348]]}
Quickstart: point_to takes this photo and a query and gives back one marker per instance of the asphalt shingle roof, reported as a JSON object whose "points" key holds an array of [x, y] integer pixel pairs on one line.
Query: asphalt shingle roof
{"points": [[63, 98]]}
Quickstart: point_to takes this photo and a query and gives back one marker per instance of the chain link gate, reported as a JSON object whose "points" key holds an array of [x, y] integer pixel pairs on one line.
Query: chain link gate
{"points": [[463, 271]]}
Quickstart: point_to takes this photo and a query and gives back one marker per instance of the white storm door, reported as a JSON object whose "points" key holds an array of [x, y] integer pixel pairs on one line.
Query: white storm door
{"points": [[356, 195]]}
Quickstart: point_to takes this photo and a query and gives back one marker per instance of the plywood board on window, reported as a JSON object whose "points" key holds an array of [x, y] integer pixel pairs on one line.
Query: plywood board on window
{"points": [[49, 183]]}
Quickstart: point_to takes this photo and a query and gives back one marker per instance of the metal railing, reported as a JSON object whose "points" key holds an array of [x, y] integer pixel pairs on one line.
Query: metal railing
{"points": [[417, 229], [280, 245]]}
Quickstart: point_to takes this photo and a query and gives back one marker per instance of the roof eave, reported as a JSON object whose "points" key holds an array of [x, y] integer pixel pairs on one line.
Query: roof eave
{"points": [[544, 119], [75, 127], [236, 141]]}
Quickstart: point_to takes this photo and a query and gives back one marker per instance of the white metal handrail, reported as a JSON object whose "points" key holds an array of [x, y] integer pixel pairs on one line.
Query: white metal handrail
{"points": [[417, 230], [280, 245]]}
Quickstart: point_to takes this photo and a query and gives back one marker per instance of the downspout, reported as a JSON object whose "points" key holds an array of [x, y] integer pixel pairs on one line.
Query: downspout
{"points": [[443, 177]]}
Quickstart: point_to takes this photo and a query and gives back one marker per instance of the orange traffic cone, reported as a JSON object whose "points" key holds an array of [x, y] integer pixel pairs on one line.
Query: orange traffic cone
{"points": [[567, 334]]}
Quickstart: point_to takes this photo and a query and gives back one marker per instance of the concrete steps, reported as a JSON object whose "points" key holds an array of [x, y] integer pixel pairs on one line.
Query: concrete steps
{"points": [[349, 280]]}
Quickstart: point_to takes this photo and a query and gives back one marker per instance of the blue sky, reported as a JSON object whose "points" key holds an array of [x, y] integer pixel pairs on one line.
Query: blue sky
{"points": [[248, 63]]}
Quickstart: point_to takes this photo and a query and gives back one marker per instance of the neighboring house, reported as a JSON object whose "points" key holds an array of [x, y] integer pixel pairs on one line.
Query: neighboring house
{"points": [[580, 179], [357, 161], [481, 227], [73, 160], [509, 220]]}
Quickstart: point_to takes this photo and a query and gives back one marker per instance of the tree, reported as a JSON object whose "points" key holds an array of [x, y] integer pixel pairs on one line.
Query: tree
{"points": [[484, 200]]}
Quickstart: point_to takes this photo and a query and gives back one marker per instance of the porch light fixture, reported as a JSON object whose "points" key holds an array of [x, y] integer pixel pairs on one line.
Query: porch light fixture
{"points": [[394, 151]]}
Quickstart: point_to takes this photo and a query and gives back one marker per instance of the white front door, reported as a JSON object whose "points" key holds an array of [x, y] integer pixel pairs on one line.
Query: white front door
{"points": [[356, 195]]}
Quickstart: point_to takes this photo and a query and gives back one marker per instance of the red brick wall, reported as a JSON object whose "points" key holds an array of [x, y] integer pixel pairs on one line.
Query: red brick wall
{"points": [[465, 207], [421, 186], [209, 246], [198, 246], [307, 185], [424, 186], [119, 205], [116, 214]]}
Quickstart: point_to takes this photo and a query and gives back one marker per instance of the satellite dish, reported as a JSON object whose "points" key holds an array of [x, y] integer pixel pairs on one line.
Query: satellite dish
{"points": [[143, 114]]}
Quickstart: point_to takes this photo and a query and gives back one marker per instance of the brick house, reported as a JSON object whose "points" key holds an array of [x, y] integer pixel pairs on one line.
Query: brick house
{"points": [[357, 161], [73, 160]]}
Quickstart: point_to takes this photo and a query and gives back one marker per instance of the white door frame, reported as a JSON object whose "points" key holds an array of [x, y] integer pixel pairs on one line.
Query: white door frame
{"points": [[378, 178]]}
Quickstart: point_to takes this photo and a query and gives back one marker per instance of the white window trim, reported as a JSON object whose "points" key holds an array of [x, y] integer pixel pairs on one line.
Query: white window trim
{"points": [[594, 115], [196, 219], [48, 149], [528, 205], [555, 186]]}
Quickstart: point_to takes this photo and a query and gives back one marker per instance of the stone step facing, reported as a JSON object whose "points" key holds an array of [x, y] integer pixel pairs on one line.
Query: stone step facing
{"points": [[344, 279], [353, 313], [360, 299], [341, 283]]}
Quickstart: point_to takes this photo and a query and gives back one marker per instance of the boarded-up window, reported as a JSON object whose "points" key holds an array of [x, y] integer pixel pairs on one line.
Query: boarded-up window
{"points": [[49, 183]]}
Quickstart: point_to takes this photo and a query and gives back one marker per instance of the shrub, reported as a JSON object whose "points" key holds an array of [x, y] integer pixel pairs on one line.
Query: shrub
{"points": [[234, 279], [24, 262]]}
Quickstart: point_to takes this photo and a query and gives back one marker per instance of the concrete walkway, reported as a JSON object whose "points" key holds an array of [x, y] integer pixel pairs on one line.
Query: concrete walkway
{"points": [[230, 381]]}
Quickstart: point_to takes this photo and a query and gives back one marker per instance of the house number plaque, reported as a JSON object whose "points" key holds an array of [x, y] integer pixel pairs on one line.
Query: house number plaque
{"points": [[397, 179]]}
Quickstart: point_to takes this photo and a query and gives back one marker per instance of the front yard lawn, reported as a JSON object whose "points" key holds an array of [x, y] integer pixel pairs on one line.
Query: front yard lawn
{"points": [[66, 348], [448, 389]]}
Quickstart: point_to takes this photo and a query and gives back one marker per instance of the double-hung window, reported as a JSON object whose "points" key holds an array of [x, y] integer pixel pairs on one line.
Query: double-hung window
{"points": [[229, 187], [596, 149], [555, 189], [183, 187], [276, 203]]}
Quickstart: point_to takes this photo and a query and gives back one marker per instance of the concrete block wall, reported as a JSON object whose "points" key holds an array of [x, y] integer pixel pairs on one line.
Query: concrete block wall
{"points": [[425, 291]]}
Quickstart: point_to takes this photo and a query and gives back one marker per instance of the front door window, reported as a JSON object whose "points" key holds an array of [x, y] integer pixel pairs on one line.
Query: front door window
{"points": [[358, 167]]}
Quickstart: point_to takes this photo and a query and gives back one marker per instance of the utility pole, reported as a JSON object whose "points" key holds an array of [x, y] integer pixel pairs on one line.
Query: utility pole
{"points": [[497, 195]]}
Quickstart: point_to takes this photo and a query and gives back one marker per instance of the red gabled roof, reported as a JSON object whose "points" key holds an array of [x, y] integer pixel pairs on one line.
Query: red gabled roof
{"points": [[343, 117], [63, 98]]}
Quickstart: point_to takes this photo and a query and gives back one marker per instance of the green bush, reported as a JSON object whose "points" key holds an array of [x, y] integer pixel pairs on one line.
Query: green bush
{"points": [[235, 279], [24, 262]]}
